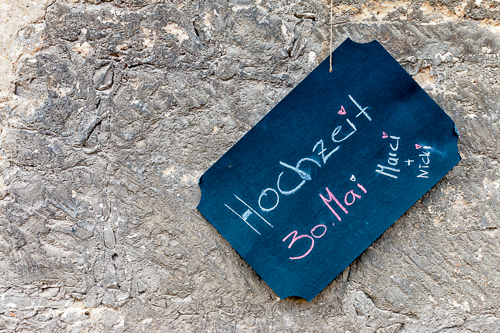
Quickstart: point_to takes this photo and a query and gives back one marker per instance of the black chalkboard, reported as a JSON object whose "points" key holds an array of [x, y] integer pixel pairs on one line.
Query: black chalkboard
{"points": [[329, 169]]}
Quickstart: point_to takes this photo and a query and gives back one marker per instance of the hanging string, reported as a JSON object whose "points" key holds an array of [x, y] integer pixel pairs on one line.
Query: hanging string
{"points": [[331, 32]]}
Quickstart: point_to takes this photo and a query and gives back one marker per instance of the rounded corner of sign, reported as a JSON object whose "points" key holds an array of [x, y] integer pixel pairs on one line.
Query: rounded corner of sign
{"points": [[296, 295], [201, 192], [372, 42]]}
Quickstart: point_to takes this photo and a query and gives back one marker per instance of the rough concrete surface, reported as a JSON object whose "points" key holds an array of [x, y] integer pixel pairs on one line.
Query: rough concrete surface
{"points": [[113, 109]]}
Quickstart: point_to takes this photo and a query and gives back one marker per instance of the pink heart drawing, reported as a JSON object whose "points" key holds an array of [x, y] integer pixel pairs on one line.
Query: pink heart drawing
{"points": [[417, 146], [384, 135], [342, 110]]}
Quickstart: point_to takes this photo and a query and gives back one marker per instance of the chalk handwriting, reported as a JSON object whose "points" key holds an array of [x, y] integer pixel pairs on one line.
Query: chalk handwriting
{"points": [[363, 110], [323, 149], [426, 160], [330, 198], [264, 193], [349, 199], [295, 238], [247, 214], [390, 171], [303, 174], [339, 128]]}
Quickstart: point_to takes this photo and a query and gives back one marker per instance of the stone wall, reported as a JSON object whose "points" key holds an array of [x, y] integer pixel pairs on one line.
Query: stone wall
{"points": [[112, 110]]}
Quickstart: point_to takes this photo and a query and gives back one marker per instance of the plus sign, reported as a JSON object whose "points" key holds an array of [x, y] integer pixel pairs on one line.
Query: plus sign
{"points": [[409, 162]]}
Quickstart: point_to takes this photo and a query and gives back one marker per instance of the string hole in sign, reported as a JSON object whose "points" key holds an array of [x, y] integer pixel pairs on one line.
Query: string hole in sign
{"points": [[229, 165]]}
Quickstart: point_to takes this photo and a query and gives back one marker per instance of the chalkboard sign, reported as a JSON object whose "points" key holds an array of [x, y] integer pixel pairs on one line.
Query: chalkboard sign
{"points": [[329, 169]]}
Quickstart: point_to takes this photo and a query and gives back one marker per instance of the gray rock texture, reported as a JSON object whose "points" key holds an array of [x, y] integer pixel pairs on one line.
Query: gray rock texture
{"points": [[113, 109]]}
